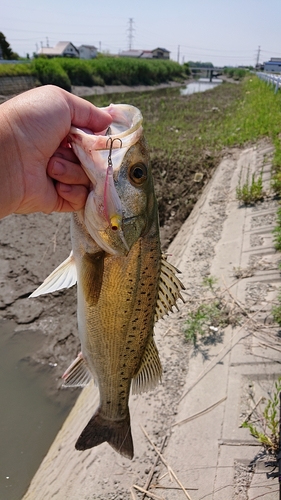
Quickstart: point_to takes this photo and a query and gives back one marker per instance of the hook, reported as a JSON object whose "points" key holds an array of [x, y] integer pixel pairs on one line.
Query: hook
{"points": [[110, 148]]}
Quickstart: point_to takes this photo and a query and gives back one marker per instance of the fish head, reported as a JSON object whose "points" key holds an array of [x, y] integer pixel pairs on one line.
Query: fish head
{"points": [[121, 204]]}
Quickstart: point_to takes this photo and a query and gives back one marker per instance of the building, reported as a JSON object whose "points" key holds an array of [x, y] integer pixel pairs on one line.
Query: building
{"points": [[131, 53], [87, 51], [273, 66], [146, 54], [62, 49], [160, 53]]}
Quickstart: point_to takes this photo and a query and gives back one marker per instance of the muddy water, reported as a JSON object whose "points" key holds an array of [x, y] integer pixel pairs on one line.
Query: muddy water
{"points": [[201, 85], [29, 418]]}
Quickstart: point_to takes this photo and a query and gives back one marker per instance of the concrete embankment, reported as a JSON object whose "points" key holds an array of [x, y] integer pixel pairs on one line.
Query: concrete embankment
{"points": [[12, 85], [195, 415]]}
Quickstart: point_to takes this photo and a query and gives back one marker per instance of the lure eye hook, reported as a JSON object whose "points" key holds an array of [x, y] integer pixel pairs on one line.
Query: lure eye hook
{"points": [[111, 141]]}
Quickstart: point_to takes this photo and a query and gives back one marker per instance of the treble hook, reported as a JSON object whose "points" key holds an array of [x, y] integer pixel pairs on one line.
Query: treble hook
{"points": [[112, 203], [110, 148]]}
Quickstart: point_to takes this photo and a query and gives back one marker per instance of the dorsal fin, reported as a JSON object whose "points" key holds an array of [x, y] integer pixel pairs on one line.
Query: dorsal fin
{"points": [[169, 289], [64, 276], [77, 374], [150, 371]]}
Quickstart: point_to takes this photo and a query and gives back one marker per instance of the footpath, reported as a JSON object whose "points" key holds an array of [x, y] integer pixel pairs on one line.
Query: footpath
{"points": [[194, 418]]}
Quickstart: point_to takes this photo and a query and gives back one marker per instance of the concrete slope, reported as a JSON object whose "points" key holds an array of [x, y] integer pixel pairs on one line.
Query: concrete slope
{"points": [[217, 383]]}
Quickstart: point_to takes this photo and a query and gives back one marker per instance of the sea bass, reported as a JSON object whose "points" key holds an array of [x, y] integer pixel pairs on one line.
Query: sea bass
{"points": [[124, 283]]}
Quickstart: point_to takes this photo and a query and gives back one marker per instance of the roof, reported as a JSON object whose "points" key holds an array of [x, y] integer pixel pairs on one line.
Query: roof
{"points": [[57, 50], [160, 48], [88, 47], [131, 53]]}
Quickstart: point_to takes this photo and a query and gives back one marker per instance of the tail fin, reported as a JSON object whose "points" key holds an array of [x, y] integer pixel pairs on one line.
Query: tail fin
{"points": [[116, 433]]}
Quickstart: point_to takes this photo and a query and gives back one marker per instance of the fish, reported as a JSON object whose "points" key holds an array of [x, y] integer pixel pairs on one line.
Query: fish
{"points": [[124, 281]]}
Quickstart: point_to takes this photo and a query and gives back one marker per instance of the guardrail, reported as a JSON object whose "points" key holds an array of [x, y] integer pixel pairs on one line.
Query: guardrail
{"points": [[270, 78]]}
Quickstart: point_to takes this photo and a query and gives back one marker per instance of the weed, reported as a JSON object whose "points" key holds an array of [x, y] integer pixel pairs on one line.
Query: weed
{"points": [[277, 231], [200, 321], [250, 192], [265, 428], [276, 312], [213, 313], [209, 281]]}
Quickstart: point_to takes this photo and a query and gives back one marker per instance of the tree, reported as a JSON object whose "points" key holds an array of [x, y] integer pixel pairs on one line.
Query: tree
{"points": [[5, 49]]}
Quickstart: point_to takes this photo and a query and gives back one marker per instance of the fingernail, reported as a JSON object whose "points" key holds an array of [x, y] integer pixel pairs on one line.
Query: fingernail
{"points": [[58, 168]]}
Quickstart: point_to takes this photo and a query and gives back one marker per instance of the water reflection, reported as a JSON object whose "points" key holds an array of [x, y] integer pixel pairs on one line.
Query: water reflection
{"points": [[29, 418], [200, 85]]}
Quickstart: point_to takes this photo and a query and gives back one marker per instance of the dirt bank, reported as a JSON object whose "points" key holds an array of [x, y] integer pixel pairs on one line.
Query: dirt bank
{"points": [[32, 246]]}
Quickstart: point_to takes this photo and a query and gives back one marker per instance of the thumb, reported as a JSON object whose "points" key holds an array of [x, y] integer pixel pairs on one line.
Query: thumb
{"points": [[84, 114]]}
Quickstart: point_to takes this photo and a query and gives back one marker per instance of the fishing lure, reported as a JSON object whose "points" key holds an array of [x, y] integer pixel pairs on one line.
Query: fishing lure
{"points": [[112, 204]]}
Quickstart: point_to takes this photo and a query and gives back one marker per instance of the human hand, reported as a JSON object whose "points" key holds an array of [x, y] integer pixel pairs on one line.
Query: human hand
{"points": [[71, 182], [33, 130]]}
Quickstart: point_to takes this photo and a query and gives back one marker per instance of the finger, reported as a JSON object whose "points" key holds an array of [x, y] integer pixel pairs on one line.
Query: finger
{"points": [[67, 172], [85, 114], [66, 153], [73, 197]]}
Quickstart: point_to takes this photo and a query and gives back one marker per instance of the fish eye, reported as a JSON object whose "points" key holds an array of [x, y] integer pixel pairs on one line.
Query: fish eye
{"points": [[138, 173]]}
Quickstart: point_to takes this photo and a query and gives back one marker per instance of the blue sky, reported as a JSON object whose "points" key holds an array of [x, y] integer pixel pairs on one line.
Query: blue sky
{"points": [[224, 32]]}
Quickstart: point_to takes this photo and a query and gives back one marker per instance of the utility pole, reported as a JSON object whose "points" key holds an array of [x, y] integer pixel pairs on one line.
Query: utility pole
{"points": [[99, 47], [47, 40], [178, 53], [130, 36], [258, 55]]}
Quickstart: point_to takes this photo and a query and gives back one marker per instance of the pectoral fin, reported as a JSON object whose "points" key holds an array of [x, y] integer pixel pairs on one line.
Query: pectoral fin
{"points": [[92, 276], [150, 371], [169, 289], [64, 276]]}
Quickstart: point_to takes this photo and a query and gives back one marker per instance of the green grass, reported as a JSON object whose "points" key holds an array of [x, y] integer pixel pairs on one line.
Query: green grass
{"points": [[210, 316], [16, 69], [277, 231], [205, 318], [251, 191], [264, 426]]}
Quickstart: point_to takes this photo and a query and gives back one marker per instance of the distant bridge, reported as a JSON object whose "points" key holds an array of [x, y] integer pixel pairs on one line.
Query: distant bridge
{"points": [[210, 72]]}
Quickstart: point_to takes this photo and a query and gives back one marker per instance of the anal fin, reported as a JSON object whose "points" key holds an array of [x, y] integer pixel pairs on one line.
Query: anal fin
{"points": [[77, 374], [150, 371]]}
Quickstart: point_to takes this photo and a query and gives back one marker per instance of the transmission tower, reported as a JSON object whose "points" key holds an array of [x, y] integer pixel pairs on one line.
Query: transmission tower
{"points": [[130, 35]]}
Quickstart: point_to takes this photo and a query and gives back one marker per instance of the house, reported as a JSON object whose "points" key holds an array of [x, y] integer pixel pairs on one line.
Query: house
{"points": [[161, 53], [146, 54], [131, 53], [273, 66], [87, 51], [62, 49]]}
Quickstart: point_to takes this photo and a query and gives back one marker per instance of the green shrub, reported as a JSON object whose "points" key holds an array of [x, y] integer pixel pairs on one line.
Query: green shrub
{"points": [[15, 69], [51, 72], [78, 71]]}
